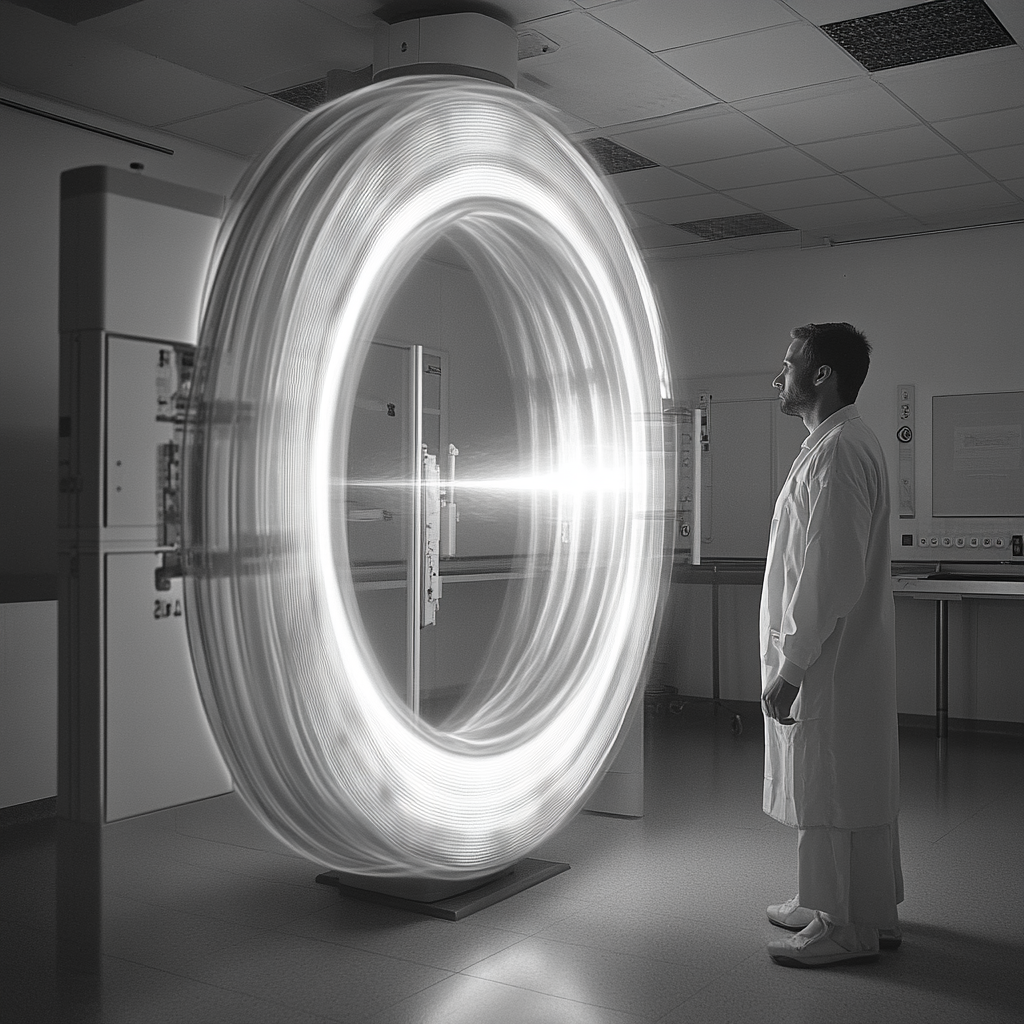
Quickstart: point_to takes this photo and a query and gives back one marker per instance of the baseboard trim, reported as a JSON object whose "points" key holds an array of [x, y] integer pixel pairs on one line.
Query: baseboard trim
{"points": [[971, 725]]}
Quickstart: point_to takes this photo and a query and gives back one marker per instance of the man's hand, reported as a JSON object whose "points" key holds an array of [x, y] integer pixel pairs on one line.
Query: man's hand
{"points": [[777, 701]]}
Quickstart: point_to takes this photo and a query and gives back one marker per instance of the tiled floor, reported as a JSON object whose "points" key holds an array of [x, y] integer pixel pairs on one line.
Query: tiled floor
{"points": [[660, 919]]}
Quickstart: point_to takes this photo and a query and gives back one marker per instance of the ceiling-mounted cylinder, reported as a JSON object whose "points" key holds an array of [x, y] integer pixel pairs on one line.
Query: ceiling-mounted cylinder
{"points": [[471, 44]]}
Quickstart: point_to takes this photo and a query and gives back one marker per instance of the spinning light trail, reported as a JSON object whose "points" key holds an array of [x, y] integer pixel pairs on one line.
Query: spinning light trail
{"points": [[317, 239]]}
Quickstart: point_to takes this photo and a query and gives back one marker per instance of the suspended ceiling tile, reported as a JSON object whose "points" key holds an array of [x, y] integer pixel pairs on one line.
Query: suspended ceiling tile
{"points": [[46, 57], [985, 131], [755, 169], [887, 228], [831, 215], [1011, 14], [663, 24], [246, 130], [821, 12], [73, 11], [522, 11], [1011, 211], [656, 236], [758, 63], [1005, 162], [699, 136], [1016, 186], [650, 184], [571, 124], [890, 147], [636, 219], [789, 194], [602, 77], [720, 247], [829, 111], [239, 41], [948, 200], [755, 243], [972, 83], [690, 208], [920, 175], [357, 13]]}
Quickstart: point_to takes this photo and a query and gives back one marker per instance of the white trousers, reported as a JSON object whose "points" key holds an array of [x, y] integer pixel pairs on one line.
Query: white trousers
{"points": [[853, 875]]}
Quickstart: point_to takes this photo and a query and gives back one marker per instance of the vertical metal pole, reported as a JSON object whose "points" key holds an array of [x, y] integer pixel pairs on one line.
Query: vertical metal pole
{"points": [[941, 669], [716, 682], [414, 556], [697, 497]]}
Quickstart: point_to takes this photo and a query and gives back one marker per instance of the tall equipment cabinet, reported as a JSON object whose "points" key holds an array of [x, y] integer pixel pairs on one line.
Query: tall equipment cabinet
{"points": [[132, 733]]}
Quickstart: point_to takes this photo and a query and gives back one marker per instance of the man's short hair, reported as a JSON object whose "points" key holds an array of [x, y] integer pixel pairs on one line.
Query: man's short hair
{"points": [[843, 348]]}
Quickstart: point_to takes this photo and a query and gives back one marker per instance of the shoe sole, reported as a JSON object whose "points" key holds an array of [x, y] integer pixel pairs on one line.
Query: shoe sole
{"points": [[824, 961], [883, 943]]}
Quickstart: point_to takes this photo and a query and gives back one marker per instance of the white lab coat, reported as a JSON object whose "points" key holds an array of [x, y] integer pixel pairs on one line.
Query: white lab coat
{"points": [[827, 621]]}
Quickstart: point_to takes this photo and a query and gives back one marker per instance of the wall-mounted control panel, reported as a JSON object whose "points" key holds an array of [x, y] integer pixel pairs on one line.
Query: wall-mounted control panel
{"points": [[975, 541], [963, 500]]}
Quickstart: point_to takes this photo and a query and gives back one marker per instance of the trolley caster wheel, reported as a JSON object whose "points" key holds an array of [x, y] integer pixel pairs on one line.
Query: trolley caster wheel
{"points": [[737, 725]]}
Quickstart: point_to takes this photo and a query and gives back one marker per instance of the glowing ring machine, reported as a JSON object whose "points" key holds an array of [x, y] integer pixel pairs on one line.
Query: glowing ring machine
{"points": [[316, 241]]}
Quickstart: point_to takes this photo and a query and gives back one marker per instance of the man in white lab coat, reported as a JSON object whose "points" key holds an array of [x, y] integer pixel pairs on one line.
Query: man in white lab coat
{"points": [[829, 665]]}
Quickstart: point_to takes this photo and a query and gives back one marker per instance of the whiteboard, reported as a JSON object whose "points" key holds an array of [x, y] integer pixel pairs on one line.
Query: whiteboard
{"points": [[978, 454]]}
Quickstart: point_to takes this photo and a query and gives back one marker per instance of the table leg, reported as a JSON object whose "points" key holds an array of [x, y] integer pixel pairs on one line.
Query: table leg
{"points": [[716, 682], [941, 669]]}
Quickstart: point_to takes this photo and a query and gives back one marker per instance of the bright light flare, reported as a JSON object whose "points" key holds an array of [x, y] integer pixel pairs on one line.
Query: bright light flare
{"points": [[316, 242]]}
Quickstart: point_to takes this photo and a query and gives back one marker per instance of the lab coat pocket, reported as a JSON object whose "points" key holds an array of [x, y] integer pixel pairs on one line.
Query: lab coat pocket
{"points": [[800, 709], [772, 660]]}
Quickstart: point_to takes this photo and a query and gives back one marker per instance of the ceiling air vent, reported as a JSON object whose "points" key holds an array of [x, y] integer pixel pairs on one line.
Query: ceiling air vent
{"points": [[306, 96], [310, 95], [740, 226], [913, 35], [613, 158]]}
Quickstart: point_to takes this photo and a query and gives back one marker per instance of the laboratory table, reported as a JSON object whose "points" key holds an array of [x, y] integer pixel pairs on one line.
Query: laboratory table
{"points": [[932, 582], [942, 585], [716, 573]]}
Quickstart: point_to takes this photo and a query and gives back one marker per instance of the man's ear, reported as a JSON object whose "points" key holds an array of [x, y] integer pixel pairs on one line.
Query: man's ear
{"points": [[823, 374]]}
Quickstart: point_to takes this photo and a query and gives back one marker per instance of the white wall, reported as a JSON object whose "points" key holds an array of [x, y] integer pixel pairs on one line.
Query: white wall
{"points": [[945, 313], [28, 701]]}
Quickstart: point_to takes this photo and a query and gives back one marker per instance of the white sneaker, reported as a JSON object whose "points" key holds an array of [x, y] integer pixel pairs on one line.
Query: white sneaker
{"points": [[791, 916], [823, 942]]}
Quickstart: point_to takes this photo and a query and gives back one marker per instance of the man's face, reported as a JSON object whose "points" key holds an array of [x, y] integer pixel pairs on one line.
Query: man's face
{"points": [[796, 382]]}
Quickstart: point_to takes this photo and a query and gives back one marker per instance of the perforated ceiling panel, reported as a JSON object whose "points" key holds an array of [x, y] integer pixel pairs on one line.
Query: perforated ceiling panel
{"points": [[613, 158], [913, 35], [738, 226], [305, 96]]}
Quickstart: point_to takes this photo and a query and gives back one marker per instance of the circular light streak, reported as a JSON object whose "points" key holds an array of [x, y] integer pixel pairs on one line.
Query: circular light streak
{"points": [[315, 243]]}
